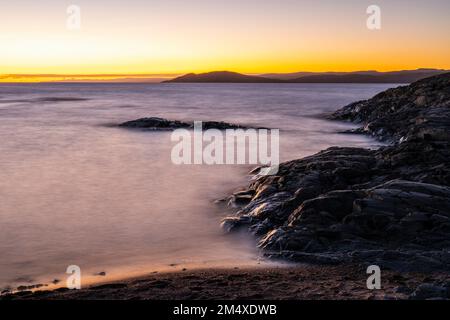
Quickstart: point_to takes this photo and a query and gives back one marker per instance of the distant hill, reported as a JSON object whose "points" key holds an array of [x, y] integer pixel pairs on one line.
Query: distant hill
{"points": [[223, 76], [404, 76], [295, 75]]}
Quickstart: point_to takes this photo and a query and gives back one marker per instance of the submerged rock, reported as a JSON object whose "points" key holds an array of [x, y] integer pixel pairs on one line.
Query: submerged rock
{"points": [[389, 207], [154, 123]]}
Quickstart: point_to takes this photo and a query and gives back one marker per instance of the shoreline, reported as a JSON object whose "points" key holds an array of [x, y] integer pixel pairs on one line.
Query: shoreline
{"points": [[301, 282], [128, 274]]}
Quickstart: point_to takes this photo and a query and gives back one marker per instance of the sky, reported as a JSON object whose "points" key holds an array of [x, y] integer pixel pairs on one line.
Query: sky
{"points": [[248, 36]]}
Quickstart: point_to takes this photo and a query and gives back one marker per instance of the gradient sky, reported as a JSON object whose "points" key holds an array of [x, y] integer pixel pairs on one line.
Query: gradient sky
{"points": [[250, 36]]}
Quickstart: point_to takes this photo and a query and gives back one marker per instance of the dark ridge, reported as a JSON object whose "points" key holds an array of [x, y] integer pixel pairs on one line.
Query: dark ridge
{"points": [[405, 76], [222, 77], [60, 99]]}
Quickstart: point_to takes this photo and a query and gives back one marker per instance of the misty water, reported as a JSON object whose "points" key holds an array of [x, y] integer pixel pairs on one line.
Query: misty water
{"points": [[76, 190]]}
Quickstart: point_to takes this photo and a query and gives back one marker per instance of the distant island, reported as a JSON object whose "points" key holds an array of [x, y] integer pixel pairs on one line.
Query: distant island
{"points": [[224, 76], [404, 76]]}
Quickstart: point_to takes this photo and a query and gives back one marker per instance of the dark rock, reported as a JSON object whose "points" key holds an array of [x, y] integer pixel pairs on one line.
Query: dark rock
{"points": [[61, 99], [23, 293], [420, 110], [109, 286], [159, 284], [389, 206], [240, 199], [230, 224], [154, 123], [22, 288], [428, 291], [403, 290]]}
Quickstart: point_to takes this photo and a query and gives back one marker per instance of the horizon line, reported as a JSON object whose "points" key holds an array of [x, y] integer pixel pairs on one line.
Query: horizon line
{"points": [[215, 70], [156, 77]]}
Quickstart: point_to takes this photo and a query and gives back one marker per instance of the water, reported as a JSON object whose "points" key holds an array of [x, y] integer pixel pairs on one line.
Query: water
{"points": [[75, 190]]}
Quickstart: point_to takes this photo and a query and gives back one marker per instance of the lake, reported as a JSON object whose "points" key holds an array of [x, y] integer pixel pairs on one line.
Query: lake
{"points": [[76, 190]]}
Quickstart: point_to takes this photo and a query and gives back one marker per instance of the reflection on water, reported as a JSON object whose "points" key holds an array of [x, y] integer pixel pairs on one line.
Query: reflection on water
{"points": [[76, 191]]}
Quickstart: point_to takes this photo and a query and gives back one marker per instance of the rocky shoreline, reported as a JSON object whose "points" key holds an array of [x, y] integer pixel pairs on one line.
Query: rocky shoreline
{"points": [[389, 207]]}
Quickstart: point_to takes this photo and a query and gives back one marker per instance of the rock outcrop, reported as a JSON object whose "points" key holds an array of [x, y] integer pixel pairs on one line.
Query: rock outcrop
{"points": [[389, 206], [421, 110], [154, 123]]}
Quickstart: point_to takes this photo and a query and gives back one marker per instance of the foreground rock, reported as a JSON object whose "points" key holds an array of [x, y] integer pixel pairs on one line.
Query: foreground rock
{"points": [[154, 123], [389, 207]]}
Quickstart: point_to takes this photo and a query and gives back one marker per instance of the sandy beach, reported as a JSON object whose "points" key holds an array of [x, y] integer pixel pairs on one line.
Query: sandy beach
{"points": [[302, 282]]}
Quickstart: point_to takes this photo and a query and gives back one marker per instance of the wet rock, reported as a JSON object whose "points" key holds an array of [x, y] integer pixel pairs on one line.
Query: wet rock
{"points": [[429, 291], [418, 110], [155, 123], [109, 286], [159, 283], [241, 198], [231, 224], [389, 206], [5, 291], [22, 288], [403, 290], [23, 293], [261, 228]]}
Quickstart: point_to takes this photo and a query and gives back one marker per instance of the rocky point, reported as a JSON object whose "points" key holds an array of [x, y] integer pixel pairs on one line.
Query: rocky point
{"points": [[389, 206]]}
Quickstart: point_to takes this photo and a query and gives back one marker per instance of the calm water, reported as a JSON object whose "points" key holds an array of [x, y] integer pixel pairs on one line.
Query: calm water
{"points": [[76, 191]]}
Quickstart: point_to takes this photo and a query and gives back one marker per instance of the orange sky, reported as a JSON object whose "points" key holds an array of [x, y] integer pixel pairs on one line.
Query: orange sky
{"points": [[175, 37]]}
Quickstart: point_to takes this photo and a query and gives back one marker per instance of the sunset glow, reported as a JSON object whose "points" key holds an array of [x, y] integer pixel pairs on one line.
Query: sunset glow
{"points": [[175, 37]]}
